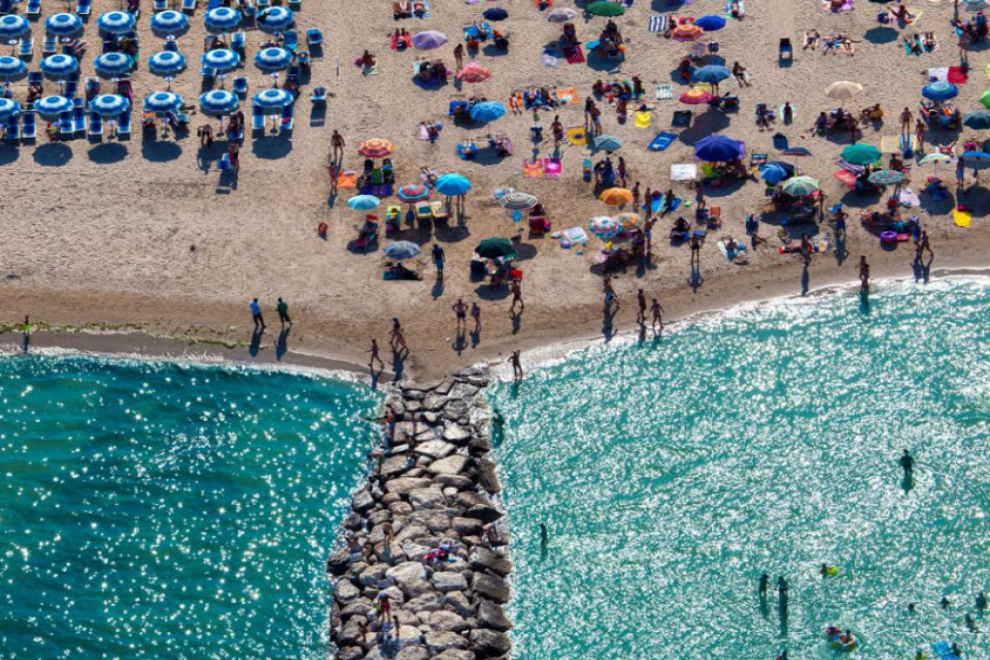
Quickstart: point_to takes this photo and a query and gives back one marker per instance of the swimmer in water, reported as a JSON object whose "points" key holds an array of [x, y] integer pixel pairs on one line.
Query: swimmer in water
{"points": [[544, 536], [910, 608], [945, 603], [981, 601], [828, 571], [764, 583], [907, 462], [969, 622], [782, 592]]}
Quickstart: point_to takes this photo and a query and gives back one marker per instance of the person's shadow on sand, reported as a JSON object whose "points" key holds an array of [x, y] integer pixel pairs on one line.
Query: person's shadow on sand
{"points": [[695, 280], [608, 325], [255, 346], [805, 280], [282, 344], [460, 341], [516, 322], [398, 363], [922, 270]]}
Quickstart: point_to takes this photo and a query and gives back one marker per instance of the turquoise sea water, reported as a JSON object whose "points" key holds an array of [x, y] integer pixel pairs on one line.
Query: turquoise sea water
{"points": [[155, 510], [672, 474]]}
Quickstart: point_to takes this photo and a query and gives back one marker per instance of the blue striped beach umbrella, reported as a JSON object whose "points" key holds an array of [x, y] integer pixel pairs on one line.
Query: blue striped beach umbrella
{"points": [[275, 19], [401, 250], [167, 63], [273, 59], [13, 26], [8, 108], [162, 102], [222, 19], [12, 67], [218, 103], [63, 25], [109, 105], [52, 106], [113, 65], [940, 91], [221, 59], [116, 22], [59, 66], [273, 100], [169, 22], [487, 111]]}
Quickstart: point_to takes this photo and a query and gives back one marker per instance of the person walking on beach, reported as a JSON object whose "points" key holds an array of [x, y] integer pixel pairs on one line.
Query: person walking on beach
{"points": [[439, 259], [459, 56], [259, 320], [919, 133], [695, 250], [26, 334], [283, 313], [374, 355], [657, 311], [476, 315], [864, 274], [460, 311], [923, 245], [806, 249], [907, 463], [516, 297], [397, 341], [610, 295], [338, 144], [516, 362], [641, 301], [964, 41], [907, 121]]}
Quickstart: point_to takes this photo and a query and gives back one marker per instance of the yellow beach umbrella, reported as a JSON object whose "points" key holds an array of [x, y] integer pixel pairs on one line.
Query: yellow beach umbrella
{"points": [[629, 221], [616, 196]]}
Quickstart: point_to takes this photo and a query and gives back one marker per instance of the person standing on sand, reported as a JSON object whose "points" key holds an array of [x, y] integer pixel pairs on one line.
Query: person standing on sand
{"points": [[283, 313], [476, 315], [806, 249], [907, 122], [516, 297], [920, 129], [26, 334], [648, 234], [695, 250], [337, 141], [439, 258], [516, 362], [641, 301], [374, 355], [460, 311], [864, 274], [397, 341], [635, 194], [459, 56], [657, 311], [610, 295], [259, 320]]}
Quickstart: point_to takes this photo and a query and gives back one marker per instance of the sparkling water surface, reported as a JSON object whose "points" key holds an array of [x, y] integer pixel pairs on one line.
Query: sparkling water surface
{"points": [[672, 474], [158, 510]]}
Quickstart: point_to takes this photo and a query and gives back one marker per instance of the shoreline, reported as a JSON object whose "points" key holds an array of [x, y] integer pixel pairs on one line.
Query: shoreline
{"points": [[137, 343]]}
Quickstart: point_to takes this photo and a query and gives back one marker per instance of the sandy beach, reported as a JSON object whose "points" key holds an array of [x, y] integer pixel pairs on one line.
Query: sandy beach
{"points": [[142, 239]]}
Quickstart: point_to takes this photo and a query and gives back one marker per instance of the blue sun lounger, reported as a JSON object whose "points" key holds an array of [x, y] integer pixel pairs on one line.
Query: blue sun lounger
{"points": [[662, 141], [95, 126], [287, 119], [29, 127], [83, 7], [26, 48], [66, 127], [124, 126], [13, 128], [257, 119], [33, 8]]}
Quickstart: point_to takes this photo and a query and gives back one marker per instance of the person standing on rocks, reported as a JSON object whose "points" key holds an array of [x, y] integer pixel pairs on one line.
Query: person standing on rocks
{"points": [[384, 607], [517, 370]]}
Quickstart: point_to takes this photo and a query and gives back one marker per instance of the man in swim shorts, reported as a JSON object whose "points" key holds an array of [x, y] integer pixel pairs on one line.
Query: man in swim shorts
{"points": [[460, 310], [907, 462]]}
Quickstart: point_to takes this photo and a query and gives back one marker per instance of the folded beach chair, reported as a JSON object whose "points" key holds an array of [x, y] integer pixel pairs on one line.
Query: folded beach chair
{"points": [[159, 5], [25, 48], [287, 120], [29, 127], [171, 45], [33, 8], [124, 126], [13, 129], [786, 49], [95, 126], [83, 7], [71, 89], [314, 37], [50, 45], [257, 119], [189, 6], [240, 86]]}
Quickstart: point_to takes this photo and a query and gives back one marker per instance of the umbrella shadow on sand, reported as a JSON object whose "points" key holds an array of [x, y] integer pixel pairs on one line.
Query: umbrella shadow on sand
{"points": [[271, 147], [111, 152], [53, 154], [488, 292], [525, 251], [881, 35], [8, 156], [706, 124], [160, 152]]}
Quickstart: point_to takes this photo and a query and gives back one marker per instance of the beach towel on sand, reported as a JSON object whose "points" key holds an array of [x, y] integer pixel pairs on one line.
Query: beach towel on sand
{"points": [[662, 141], [658, 23], [957, 75], [891, 144], [533, 170], [568, 96], [961, 218], [577, 57], [846, 6], [665, 92], [577, 136], [347, 179], [643, 119], [939, 74]]}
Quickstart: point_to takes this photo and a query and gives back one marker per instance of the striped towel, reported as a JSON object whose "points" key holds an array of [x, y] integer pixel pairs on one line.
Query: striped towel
{"points": [[665, 92], [658, 23]]}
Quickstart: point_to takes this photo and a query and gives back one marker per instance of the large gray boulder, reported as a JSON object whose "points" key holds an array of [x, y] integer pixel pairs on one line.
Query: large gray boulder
{"points": [[488, 643], [491, 615], [449, 581], [451, 465], [489, 586]]}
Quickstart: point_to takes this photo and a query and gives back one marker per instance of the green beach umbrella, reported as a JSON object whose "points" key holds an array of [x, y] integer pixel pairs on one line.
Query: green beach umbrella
{"points": [[602, 8], [861, 154], [985, 99], [799, 186], [495, 248]]}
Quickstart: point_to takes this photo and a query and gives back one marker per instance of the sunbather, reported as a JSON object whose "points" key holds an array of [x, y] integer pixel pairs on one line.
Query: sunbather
{"points": [[928, 41], [811, 38], [739, 71], [401, 9]]}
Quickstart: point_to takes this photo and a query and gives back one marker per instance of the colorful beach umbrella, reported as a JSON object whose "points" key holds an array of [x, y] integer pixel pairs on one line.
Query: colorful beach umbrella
{"points": [[376, 148], [799, 186], [428, 40], [413, 193], [487, 111], [12, 67], [606, 8], [718, 149], [974, 5], [936, 159], [401, 250], [167, 63], [976, 160], [495, 248], [495, 14], [52, 106], [116, 22], [222, 19], [169, 22], [518, 201], [687, 32], [59, 66], [218, 102], [843, 90], [109, 105], [774, 173], [453, 185], [604, 227], [616, 196], [8, 108], [561, 15], [363, 202], [275, 19], [696, 96], [161, 102], [712, 74], [273, 99], [628, 220], [221, 59], [63, 25], [474, 73], [607, 143], [710, 23], [886, 177], [985, 99], [978, 120], [861, 154], [273, 59], [13, 26], [113, 65], [940, 91]]}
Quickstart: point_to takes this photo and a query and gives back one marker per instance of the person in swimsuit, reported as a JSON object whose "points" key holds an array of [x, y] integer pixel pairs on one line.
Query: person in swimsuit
{"points": [[923, 245], [657, 312], [516, 297], [516, 362], [460, 310], [641, 301], [695, 250], [764, 584], [397, 341], [609, 292], [907, 462], [864, 274], [476, 315], [782, 588]]}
